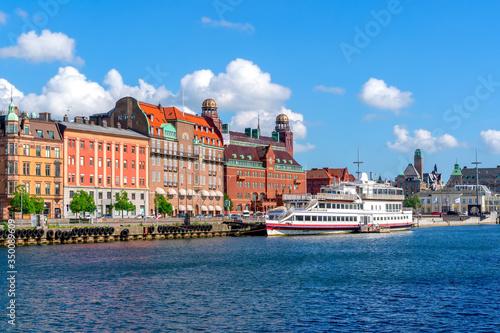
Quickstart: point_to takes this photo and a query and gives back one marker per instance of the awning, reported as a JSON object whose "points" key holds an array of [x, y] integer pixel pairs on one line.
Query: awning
{"points": [[211, 208], [190, 208], [171, 192], [204, 193], [182, 208], [204, 208], [159, 190], [182, 192], [211, 194], [218, 194], [217, 208]]}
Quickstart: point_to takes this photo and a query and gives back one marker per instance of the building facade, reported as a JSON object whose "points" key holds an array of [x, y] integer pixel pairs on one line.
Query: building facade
{"points": [[259, 169], [32, 149], [186, 154], [489, 177], [317, 178], [104, 161]]}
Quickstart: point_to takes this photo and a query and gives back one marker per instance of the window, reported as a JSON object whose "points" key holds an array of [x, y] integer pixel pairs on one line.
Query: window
{"points": [[57, 189], [57, 153], [108, 181], [71, 194], [108, 195], [125, 164], [57, 171], [100, 180], [51, 135], [38, 170], [142, 196], [133, 180], [108, 147], [117, 165], [26, 169], [100, 145], [100, 162], [99, 195], [133, 149], [133, 196], [91, 145], [47, 151], [133, 164], [39, 133], [38, 188], [125, 148], [47, 189], [117, 180], [91, 161], [82, 178], [91, 179], [117, 148], [82, 160], [38, 151], [26, 131], [47, 169], [82, 144], [125, 180], [109, 163]]}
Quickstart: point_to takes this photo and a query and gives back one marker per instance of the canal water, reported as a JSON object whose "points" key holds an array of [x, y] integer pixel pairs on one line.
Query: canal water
{"points": [[429, 279]]}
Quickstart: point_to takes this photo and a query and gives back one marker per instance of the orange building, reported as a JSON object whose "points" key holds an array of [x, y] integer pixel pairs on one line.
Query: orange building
{"points": [[186, 152], [317, 178], [32, 150], [104, 161]]}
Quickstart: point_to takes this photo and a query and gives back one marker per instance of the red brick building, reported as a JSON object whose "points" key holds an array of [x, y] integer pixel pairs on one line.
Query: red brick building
{"points": [[317, 178], [259, 169], [104, 161]]}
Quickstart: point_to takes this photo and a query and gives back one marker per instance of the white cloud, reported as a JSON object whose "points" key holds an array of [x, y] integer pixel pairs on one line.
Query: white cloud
{"points": [[5, 94], [46, 47], [300, 148], [226, 24], [243, 89], [332, 90], [21, 13], [492, 140], [376, 93], [3, 18], [422, 139], [71, 88]]}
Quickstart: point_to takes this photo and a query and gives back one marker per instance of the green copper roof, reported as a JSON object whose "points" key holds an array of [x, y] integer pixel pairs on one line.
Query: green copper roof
{"points": [[457, 171], [418, 152], [12, 113]]}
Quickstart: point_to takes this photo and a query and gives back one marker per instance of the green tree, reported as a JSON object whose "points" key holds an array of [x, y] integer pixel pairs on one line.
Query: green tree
{"points": [[226, 197], [38, 204], [413, 202], [27, 201], [82, 203], [162, 205], [123, 203]]}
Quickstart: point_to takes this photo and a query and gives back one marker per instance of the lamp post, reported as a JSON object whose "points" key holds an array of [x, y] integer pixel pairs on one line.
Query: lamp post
{"points": [[22, 193], [186, 217]]}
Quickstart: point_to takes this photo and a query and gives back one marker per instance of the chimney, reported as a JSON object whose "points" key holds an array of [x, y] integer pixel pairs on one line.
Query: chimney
{"points": [[85, 120], [45, 116], [78, 120], [65, 118], [104, 123], [119, 126]]}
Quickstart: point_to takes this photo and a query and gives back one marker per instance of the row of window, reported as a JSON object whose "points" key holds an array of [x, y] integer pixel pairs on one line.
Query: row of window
{"points": [[10, 188], [11, 149], [315, 218], [324, 205], [108, 195], [72, 142], [39, 133], [262, 174], [71, 179], [11, 169], [71, 161]]}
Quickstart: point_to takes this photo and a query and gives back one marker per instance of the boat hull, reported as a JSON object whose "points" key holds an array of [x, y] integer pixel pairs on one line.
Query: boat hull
{"points": [[278, 229]]}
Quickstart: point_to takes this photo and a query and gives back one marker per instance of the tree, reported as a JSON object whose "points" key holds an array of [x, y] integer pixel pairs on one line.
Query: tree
{"points": [[162, 205], [38, 204], [27, 201], [82, 203], [226, 197], [413, 202], [123, 203]]}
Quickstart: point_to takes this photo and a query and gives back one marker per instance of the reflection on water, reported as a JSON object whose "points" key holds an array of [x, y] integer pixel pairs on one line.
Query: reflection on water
{"points": [[427, 279]]}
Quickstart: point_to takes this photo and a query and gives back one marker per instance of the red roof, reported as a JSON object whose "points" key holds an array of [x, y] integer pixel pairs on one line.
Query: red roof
{"points": [[163, 115]]}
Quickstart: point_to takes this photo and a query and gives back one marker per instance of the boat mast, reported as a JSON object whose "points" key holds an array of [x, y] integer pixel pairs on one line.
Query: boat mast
{"points": [[358, 162]]}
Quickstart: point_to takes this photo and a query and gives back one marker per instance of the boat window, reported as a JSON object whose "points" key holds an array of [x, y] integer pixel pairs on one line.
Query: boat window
{"points": [[320, 218], [307, 218], [355, 218], [342, 218], [299, 218], [329, 205], [321, 205], [342, 206], [314, 218]]}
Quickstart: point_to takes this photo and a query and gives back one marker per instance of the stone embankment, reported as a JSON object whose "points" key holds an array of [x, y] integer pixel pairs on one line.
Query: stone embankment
{"points": [[431, 221]]}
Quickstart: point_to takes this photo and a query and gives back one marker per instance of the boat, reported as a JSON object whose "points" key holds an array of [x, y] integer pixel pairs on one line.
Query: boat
{"points": [[358, 206]]}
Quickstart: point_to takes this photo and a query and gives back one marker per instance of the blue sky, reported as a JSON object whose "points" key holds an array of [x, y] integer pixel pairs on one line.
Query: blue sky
{"points": [[382, 76]]}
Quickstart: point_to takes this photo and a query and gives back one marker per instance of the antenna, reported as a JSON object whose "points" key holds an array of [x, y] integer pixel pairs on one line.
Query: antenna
{"points": [[358, 162], [477, 182], [11, 99], [258, 123]]}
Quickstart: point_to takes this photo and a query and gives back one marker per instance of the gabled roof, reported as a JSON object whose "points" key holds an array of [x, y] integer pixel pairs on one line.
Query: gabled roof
{"points": [[318, 173], [411, 172], [262, 140], [97, 129]]}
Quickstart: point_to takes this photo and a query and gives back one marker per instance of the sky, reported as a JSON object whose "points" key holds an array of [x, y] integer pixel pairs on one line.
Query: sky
{"points": [[381, 77]]}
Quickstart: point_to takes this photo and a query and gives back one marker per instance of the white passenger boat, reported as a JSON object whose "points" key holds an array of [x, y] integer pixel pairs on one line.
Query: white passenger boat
{"points": [[347, 207]]}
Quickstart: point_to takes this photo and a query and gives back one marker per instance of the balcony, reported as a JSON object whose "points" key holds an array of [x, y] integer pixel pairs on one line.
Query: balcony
{"points": [[297, 182], [240, 178]]}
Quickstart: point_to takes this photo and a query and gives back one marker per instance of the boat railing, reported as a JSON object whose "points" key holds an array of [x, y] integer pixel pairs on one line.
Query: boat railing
{"points": [[296, 197], [336, 196], [407, 209], [389, 197]]}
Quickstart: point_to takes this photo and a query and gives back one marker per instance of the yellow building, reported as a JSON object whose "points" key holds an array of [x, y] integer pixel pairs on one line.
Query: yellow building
{"points": [[32, 149]]}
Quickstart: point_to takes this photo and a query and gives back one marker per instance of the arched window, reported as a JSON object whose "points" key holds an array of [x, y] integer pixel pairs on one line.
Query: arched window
{"points": [[238, 208]]}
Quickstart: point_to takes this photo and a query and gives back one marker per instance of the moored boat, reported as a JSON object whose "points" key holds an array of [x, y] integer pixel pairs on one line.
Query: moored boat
{"points": [[343, 208]]}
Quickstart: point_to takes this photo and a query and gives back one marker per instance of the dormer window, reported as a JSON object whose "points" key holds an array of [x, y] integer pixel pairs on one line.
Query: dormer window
{"points": [[152, 118], [26, 130], [212, 130], [39, 133]]}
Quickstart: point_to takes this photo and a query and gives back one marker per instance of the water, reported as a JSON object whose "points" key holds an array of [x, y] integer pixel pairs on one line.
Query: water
{"points": [[429, 279]]}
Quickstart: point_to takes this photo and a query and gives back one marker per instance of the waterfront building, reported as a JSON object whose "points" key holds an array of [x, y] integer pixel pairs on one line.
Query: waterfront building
{"points": [[455, 177], [104, 161], [259, 169], [32, 149], [318, 178], [459, 198], [412, 180], [186, 154], [489, 177]]}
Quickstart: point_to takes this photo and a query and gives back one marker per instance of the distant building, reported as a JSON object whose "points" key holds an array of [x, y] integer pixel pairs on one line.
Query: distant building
{"points": [[32, 150], [412, 180], [455, 177], [259, 169], [317, 178], [489, 177]]}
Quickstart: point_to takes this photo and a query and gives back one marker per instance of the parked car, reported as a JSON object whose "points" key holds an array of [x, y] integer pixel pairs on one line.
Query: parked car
{"points": [[235, 215], [220, 215], [181, 215], [245, 214], [437, 213], [452, 212], [107, 215]]}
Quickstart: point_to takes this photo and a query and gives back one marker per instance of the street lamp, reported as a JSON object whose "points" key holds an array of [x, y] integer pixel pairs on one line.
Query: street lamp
{"points": [[186, 217]]}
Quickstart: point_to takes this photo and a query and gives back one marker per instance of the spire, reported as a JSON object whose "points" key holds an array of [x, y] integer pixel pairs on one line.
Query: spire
{"points": [[11, 99], [258, 123]]}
